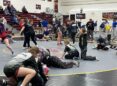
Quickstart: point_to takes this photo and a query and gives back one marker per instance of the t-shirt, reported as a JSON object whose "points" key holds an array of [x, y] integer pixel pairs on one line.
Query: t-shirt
{"points": [[45, 23], [69, 48], [19, 59], [74, 28], [90, 25], [107, 27], [28, 29]]}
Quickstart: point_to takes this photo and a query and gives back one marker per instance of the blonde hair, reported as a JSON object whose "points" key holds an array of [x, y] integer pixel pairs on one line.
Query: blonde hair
{"points": [[66, 41], [83, 30], [34, 51]]}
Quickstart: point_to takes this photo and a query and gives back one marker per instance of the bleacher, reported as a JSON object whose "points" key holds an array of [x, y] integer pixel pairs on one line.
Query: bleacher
{"points": [[33, 16], [30, 16]]}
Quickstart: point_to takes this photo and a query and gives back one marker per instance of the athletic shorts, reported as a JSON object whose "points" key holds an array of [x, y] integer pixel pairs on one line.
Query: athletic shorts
{"points": [[11, 71]]}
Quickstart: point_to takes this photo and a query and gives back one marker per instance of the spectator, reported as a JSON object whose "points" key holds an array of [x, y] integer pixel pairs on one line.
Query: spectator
{"points": [[102, 26], [73, 31], [95, 26], [6, 11], [45, 23], [14, 19], [24, 10], [79, 24], [90, 29], [114, 28], [11, 9]]}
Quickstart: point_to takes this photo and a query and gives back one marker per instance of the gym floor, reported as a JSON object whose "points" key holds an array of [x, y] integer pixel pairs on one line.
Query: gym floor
{"points": [[90, 73]]}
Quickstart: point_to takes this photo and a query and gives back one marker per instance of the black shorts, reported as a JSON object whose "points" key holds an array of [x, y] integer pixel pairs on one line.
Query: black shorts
{"points": [[72, 54], [11, 71]]}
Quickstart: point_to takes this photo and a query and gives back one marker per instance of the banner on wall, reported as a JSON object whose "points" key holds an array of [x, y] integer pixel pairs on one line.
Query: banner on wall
{"points": [[72, 17], [38, 6], [109, 15], [49, 0], [80, 16], [56, 6]]}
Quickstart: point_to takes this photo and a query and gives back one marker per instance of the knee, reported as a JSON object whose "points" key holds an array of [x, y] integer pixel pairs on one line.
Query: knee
{"points": [[33, 72]]}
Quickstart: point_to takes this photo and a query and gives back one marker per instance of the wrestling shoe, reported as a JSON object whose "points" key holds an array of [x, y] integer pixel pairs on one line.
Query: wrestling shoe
{"points": [[12, 53]]}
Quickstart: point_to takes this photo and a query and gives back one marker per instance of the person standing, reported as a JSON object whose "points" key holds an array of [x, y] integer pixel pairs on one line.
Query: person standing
{"points": [[73, 31], [69, 25], [25, 31], [32, 33], [90, 29], [28, 31], [59, 36], [95, 26], [108, 31], [114, 28]]}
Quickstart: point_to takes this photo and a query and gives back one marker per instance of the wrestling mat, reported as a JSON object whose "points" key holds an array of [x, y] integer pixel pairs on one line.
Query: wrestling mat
{"points": [[107, 59]]}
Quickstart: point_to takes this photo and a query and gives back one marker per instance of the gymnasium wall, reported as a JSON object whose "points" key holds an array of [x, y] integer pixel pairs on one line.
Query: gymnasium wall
{"points": [[93, 11], [31, 5]]}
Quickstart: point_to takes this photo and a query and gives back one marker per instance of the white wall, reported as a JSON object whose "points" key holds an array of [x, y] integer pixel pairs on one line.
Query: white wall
{"points": [[31, 5]]}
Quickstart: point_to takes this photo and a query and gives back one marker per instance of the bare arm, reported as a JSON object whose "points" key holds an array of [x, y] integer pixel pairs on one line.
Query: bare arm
{"points": [[63, 55], [22, 29]]}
